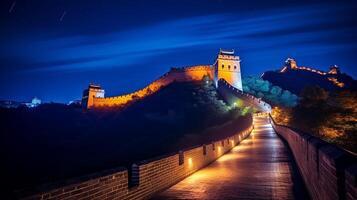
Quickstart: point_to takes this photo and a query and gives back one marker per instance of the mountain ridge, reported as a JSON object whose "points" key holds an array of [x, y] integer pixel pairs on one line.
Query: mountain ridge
{"points": [[295, 78]]}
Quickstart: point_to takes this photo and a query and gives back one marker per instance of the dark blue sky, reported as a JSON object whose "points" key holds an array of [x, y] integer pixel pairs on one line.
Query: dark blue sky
{"points": [[53, 49]]}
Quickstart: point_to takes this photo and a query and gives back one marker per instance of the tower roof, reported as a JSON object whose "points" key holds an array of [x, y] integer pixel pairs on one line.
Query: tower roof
{"points": [[334, 67], [226, 52], [96, 86], [289, 60]]}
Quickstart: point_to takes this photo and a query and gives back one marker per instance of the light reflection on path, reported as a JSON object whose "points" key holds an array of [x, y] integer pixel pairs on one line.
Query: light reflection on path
{"points": [[260, 167]]}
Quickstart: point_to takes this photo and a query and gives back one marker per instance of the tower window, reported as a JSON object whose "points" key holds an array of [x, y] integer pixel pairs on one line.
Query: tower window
{"points": [[222, 66], [229, 67], [235, 67]]}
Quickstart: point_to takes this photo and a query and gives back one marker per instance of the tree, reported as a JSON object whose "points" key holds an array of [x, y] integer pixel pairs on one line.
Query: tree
{"points": [[313, 96], [288, 99], [312, 111], [261, 85], [265, 90], [276, 90]]}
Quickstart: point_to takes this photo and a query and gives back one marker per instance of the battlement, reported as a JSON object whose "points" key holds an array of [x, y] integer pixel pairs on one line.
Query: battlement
{"points": [[334, 69], [291, 64], [148, 176], [191, 68], [227, 55], [184, 74], [328, 171], [227, 67]]}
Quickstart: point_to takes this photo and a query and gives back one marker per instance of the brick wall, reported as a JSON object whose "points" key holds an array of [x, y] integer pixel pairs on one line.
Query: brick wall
{"points": [[329, 172], [148, 177], [232, 94], [194, 73]]}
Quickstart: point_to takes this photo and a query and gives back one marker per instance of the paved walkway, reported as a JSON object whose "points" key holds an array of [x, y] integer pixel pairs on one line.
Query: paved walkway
{"points": [[261, 167]]}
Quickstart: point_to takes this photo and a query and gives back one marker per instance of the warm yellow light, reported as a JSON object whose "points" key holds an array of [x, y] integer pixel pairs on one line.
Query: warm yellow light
{"points": [[232, 141], [219, 149], [189, 161]]}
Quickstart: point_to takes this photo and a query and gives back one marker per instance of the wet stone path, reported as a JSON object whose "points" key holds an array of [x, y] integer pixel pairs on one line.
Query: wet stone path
{"points": [[260, 167]]}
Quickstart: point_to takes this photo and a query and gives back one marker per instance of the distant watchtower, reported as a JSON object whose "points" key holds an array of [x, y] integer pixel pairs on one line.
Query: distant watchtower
{"points": [[89, 95], [291, 63], [334, 69], [228, 68]]}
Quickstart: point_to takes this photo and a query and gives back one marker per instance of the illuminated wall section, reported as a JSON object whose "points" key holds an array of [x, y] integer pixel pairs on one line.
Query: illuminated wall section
{"points": [[228, 68], [194, 73]]}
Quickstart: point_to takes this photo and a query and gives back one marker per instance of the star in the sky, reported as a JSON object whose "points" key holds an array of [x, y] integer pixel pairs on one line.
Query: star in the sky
{"points": [[12, 6], [62, 16]]}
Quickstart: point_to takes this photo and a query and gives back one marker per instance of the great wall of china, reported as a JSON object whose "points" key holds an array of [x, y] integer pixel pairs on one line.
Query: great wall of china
{"points": [[334, 69], [147, 178], [328, 171], [193, 73], [227, 67], [231, 94], [151, 176]]}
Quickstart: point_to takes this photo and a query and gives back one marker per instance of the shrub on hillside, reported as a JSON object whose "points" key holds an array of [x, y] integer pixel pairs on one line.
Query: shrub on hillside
{"points": [[270, 93], [330, 116]]}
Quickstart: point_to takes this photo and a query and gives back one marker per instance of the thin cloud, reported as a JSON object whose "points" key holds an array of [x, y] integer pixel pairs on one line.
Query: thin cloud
{"points": [[276, 28]]}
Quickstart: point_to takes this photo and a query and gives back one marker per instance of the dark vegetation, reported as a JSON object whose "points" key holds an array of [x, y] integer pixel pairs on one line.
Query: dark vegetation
{"points": [[331, 116], [54, 142], [323, 108], [296, 80], [270, 93]]}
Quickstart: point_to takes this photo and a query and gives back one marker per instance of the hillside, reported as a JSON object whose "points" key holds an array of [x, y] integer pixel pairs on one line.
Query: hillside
{"points": [[59, 142], [327, 103], [295, 79], [270, 93]]}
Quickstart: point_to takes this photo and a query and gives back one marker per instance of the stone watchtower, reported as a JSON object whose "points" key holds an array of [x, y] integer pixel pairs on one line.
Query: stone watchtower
{"points": [[89, 95], [227, 67], [291, 63], [334, 69]]}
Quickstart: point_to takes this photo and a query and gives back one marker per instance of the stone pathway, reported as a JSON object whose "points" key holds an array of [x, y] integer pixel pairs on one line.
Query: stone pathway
{"points": [[261, 167]]}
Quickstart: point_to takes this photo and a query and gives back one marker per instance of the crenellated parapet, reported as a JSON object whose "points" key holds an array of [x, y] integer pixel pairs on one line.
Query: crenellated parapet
{"points": [[291, 64], [185, 74], [231, 94], [148, 177], [227, 67], [328, 171]]}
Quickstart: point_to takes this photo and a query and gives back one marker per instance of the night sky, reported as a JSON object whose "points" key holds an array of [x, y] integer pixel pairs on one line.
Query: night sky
{"points": [[53, 49]]}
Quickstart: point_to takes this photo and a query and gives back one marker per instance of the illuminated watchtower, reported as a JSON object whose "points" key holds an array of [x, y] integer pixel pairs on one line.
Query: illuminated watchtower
{"points": [[228, 68], [291, 63], [334, 69], [89, 95]]}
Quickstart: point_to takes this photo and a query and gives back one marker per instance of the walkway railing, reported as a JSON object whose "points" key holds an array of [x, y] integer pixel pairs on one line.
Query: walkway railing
{"points": [[329, 172], [235, 93], [147, 177]]}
